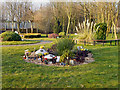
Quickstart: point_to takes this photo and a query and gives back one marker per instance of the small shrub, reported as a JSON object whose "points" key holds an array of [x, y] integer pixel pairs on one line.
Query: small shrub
{"points": [[52, 50], [10, 36], [66, 53], [62, 34], [62, 58], [64, 44], [53, 35], [101, 32]]}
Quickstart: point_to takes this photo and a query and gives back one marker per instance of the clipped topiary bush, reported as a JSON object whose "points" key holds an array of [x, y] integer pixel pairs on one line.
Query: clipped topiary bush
{"points": [[10, 36], [62, 34], [32, 35], [101, 32], [53, 35], [64, 44]]}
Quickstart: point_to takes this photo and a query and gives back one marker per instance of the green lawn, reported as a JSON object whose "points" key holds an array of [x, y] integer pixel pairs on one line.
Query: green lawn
{"points": [[18, 42], [45, 39], [103, 73]]}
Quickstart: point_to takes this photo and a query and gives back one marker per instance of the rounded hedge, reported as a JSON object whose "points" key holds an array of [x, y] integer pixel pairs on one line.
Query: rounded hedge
{"points": [[10, 36], [101, 32]]}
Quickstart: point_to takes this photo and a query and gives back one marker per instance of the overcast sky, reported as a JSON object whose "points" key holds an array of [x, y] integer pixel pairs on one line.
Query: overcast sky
{"points": [[37, 3], [43, 1]]}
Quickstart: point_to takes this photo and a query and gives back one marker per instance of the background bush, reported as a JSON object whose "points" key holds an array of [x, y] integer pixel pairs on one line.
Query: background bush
{"points": [[62, 34], [53, 35], [101, 32], [10, 36], [64, 44], [32, 35]]}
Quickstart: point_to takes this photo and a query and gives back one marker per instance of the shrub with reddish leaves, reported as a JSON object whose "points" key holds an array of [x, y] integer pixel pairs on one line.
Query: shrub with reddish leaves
{"points": [[52, 50], [53, 35]]}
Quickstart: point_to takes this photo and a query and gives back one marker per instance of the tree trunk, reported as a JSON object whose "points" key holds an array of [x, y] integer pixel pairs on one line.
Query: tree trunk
{"points": [[23, 26], [112, 30], [68, 25], [12, 26], [63, 25], [26, 27], [90, 17], [98, 18], [37, 30], [98, 13], [74, 25], [18, 27], [108, 24], [102, 19], [31, 26], [85, 13], [115, 30], [26, 30], [5, 26]]}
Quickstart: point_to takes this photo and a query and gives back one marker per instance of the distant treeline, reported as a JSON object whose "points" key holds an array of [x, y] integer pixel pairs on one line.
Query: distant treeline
{"points": [[59, 16]]}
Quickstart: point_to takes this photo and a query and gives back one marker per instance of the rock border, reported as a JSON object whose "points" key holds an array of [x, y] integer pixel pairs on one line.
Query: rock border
{"points": [[88, 60]]}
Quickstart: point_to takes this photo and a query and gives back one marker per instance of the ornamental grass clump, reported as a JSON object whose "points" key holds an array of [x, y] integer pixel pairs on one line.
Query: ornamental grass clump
{"points": [[86, 30], [64, 44]]}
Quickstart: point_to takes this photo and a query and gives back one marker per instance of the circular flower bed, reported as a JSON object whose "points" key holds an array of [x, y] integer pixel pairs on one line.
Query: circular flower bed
{"points": [[48, 58]]}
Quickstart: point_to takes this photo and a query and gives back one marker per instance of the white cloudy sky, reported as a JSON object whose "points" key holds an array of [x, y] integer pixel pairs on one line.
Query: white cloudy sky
{"points": [[37, 3], [42, 1]]}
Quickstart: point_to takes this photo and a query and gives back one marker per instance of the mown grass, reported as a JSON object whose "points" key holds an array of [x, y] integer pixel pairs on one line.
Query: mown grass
{"points": [[18, 42], [44, 39], [27, 41], [103, 73]]}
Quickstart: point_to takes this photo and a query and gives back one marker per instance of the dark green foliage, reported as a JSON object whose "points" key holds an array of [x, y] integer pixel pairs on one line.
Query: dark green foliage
{"points": [[64, 44], [10, 36], [32, 35], [101, 32]]}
